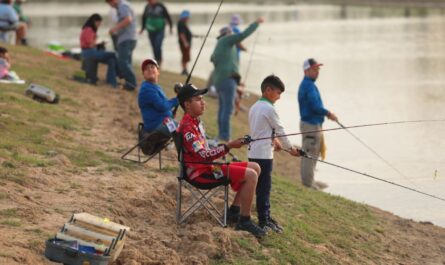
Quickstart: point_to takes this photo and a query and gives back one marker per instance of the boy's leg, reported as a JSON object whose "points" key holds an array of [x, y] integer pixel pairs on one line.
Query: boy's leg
{"points": [[245, 185], [263, 190]]}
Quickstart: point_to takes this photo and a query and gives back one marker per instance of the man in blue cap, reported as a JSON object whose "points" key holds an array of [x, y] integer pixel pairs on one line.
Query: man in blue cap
{"points": [[184, 39]]}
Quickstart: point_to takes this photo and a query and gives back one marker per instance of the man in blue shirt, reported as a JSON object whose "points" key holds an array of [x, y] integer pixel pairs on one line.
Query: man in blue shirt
{"points": [[156, 108], [312, 113]]}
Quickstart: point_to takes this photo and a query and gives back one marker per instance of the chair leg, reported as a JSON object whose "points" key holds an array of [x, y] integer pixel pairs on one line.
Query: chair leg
{"points": [[160, 160], [202, 199], [179, 202]]}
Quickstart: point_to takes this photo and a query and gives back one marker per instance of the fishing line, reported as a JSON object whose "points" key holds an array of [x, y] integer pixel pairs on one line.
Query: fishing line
{"points": [[377, 154], [200, 50], [251, 57], [349, 127], [203, 43], [304, 154]]}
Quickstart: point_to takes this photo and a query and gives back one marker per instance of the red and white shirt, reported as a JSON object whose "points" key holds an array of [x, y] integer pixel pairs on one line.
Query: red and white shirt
{"points": [[196, 148]]}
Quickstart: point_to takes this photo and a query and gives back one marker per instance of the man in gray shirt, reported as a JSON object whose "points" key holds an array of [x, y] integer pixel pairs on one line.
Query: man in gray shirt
{"points": [[125, 30]]}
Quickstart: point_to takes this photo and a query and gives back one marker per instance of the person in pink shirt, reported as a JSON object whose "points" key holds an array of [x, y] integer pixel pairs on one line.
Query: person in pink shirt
{"points": [[92, 50]]}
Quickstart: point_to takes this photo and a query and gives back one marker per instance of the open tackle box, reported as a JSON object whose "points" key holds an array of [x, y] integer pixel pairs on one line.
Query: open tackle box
{"points": [[87, 240]]}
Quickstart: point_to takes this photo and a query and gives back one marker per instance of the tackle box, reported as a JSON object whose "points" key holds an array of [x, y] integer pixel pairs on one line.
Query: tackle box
{"points": [[87, 240]]}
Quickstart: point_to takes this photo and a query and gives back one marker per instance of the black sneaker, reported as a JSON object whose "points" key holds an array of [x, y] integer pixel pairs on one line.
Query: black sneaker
{"points": [[250, 227], [279, 228]]}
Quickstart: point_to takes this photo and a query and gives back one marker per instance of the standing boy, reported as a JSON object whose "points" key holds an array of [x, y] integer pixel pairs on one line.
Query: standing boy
{"points": [[264, 122], [184, 39], [243, 175]]}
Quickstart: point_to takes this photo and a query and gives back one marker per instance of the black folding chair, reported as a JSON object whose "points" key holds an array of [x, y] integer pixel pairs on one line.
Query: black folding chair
{"points": [[148, 146], [201, 198]]}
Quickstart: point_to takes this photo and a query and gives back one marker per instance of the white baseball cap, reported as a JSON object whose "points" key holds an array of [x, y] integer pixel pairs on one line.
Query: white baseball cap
{"points": [[311, 62]]}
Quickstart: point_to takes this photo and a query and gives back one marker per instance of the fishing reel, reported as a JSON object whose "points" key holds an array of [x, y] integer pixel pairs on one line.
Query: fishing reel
{"points": [[247, 139], [177, 87], [302, 153]]}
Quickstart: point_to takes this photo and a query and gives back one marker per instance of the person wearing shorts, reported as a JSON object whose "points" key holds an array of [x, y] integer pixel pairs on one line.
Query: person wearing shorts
{"points": [[184, 39], [199, 157]]}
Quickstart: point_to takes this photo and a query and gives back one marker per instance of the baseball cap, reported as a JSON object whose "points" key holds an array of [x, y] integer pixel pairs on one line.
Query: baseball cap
{"points": [[184, 14], [236, 20], [224, 31], [149, 61], [311, 62], [188, 91]]}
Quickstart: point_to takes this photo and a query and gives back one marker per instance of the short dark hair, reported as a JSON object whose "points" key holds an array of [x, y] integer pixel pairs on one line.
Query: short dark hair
{"points": [[3, 50], [272, 81]]}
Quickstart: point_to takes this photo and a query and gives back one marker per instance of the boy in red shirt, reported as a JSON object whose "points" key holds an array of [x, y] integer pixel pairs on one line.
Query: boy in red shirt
{"points": [[243, 176]]}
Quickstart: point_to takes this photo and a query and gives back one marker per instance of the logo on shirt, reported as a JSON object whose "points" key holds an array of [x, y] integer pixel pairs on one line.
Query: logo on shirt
{"points": [[197, 146], [189, 136]]}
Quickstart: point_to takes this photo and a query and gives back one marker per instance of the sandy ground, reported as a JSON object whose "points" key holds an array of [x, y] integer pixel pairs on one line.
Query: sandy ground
{"points": [[144, 199]]}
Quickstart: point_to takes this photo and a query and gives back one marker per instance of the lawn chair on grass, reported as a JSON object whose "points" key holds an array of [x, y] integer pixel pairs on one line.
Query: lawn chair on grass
{"points": [[149, 145], [201, 198]]}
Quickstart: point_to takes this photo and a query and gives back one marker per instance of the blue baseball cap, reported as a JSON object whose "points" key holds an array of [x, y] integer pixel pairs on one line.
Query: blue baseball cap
{"points": [[184, 14]]}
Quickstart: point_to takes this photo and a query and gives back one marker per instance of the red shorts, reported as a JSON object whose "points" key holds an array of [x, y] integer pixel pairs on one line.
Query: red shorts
{"points": [[185, 54], [234, 174]]}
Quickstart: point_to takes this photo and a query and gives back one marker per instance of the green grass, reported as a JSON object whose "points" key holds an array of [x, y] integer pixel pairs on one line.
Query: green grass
{"points": [[317, 225], [11, 222], [319, 228]]}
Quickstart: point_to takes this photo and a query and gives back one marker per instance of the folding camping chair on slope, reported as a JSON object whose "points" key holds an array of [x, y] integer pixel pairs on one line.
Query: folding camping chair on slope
{"points": [[149, 145], [200, 198]]}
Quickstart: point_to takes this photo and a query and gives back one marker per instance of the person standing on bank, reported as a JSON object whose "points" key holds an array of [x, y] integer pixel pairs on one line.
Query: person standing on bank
{"points": [[153, 20], [226, 65], [312, 113], [264, 122], [184, 39], [125, 30]]}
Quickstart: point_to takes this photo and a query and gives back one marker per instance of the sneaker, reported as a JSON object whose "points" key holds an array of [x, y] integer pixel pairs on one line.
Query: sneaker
{"points": [[250, 227], [271, 224], [184, 72], [279, 228], [318, 185]]}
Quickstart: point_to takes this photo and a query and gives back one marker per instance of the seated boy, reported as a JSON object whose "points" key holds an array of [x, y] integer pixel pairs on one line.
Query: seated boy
{"points": [[241, 175], [156, 108]]}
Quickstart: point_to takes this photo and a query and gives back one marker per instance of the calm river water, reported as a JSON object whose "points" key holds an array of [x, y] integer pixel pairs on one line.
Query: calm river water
{"points": [[380, 65]]}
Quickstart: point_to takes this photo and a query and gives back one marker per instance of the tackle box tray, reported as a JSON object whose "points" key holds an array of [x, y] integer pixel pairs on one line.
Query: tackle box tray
{"points": [[61, 251]]}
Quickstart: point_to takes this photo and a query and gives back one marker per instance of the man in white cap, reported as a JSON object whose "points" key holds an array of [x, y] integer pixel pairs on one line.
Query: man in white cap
{"points": [[312, 113]]}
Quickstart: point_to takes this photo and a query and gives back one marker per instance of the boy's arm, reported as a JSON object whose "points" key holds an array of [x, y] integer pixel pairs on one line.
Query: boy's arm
{"points": [[194, 145]]}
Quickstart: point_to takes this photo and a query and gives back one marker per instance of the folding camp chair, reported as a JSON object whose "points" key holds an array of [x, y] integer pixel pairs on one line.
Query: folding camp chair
{"points": [[201, 198], [149, 145]]}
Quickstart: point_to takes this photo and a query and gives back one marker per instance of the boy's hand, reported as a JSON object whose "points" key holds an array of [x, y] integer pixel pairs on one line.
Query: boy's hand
{"points": [[277, 145], [236, 143], [294, 151]]}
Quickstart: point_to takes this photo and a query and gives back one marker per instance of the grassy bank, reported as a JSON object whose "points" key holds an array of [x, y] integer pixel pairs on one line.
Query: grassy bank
{"points": [[64, 158]]}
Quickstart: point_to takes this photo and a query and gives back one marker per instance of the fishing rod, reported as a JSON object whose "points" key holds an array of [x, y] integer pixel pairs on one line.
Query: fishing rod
{"points": [[349, 127], [244, 82], [251, 57], [203, 43], [375, 152], [200, 50], [305, 155]]}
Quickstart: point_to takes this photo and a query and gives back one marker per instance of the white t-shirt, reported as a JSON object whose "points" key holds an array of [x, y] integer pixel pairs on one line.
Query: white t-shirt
{"points": [[263, 119]]}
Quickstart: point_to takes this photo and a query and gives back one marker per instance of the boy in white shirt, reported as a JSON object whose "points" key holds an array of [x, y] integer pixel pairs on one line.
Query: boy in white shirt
{"points": [[264, 122]]}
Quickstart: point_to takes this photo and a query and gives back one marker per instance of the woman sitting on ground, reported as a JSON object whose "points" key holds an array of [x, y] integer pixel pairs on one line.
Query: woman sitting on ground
{"points": [[91, 50]]}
